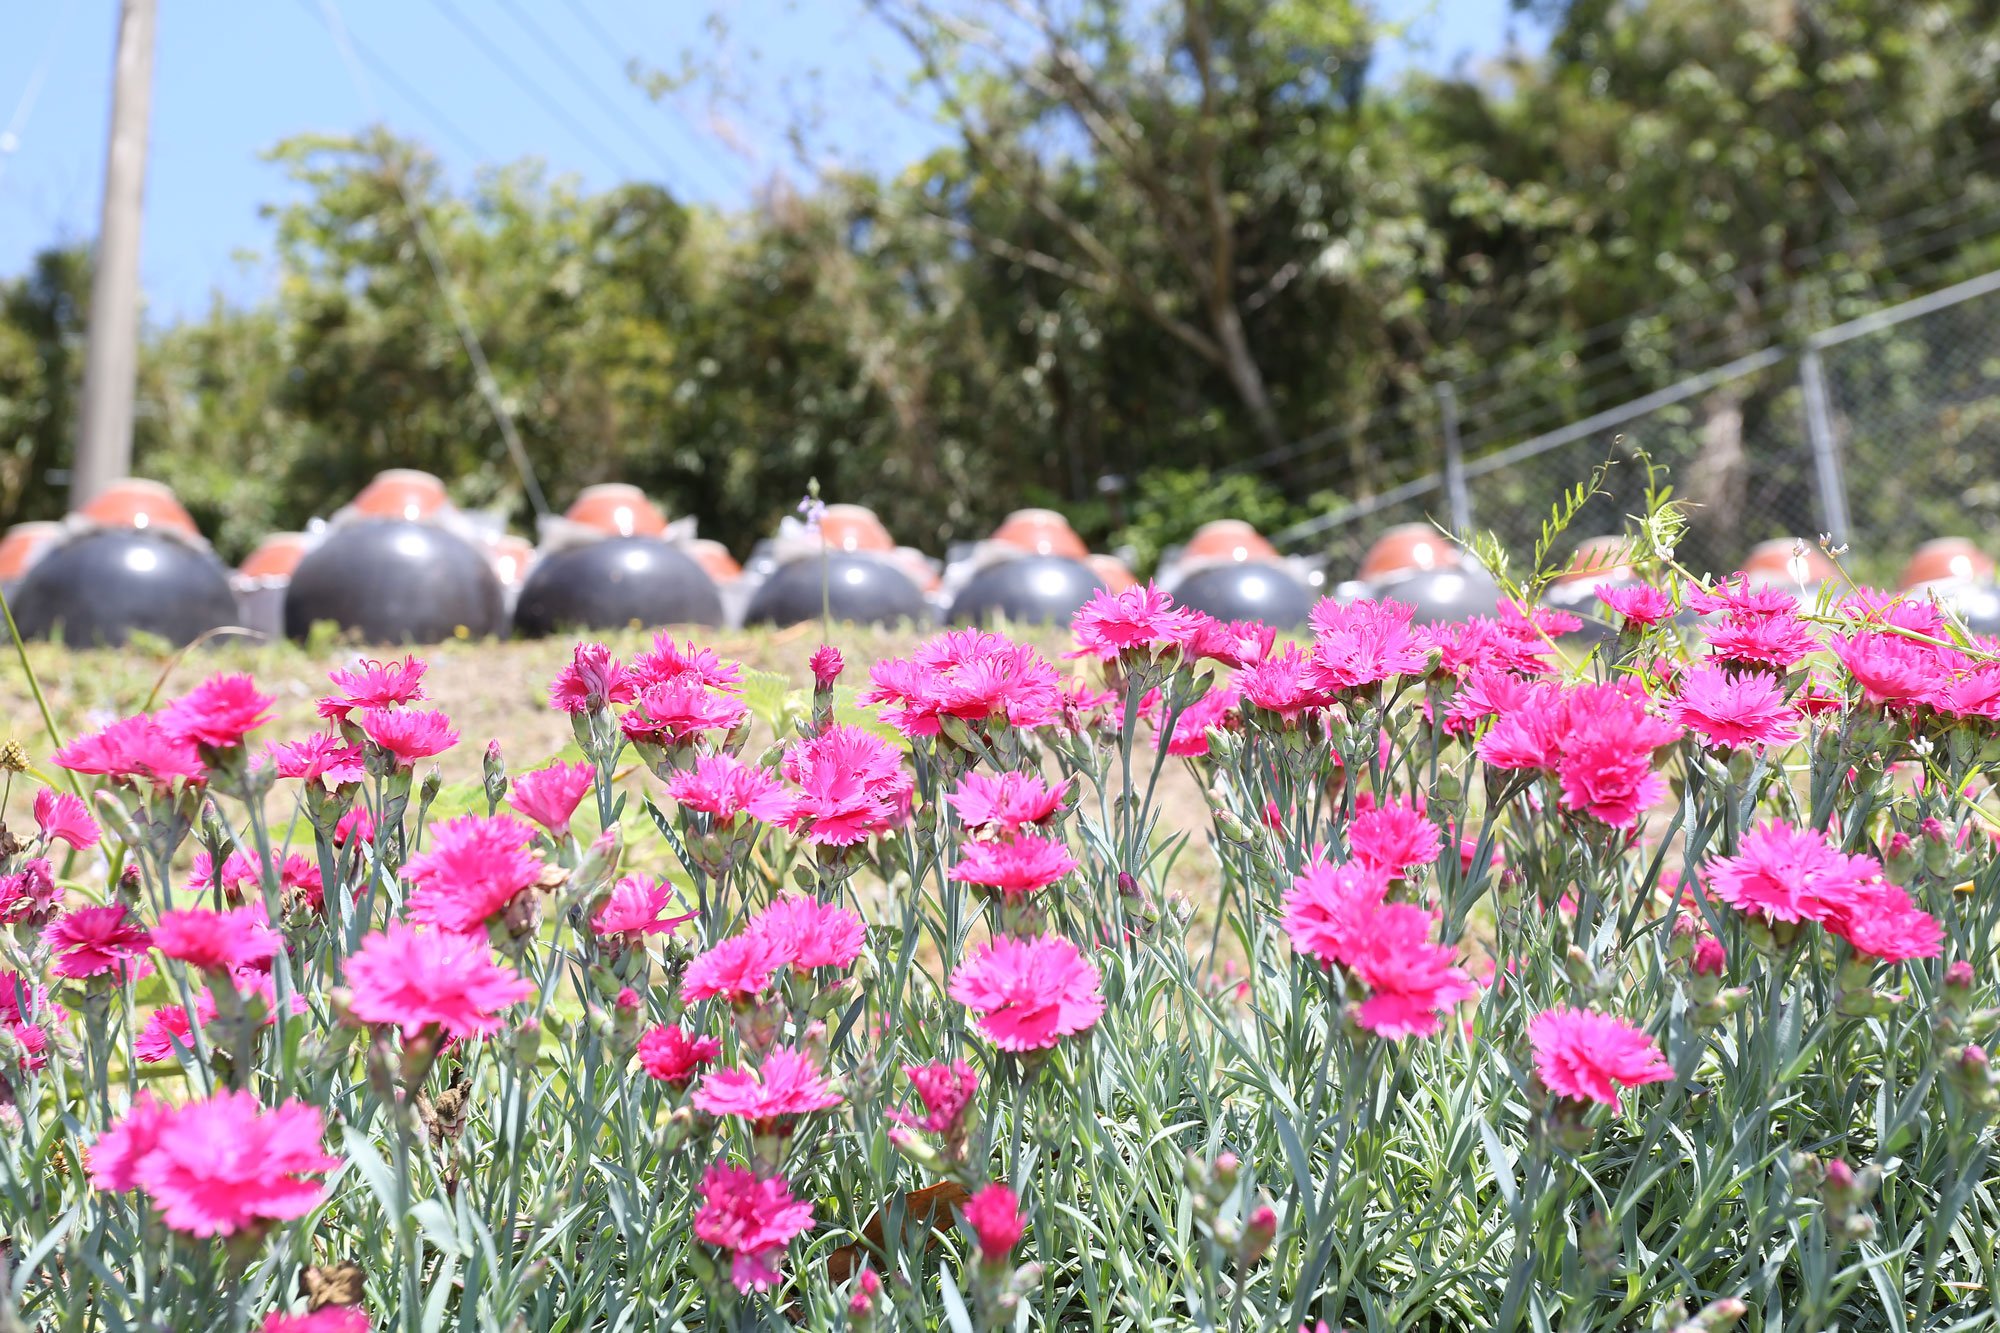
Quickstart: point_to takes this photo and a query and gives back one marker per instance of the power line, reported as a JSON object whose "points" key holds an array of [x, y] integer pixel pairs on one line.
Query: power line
{"points": [[388, 75], [489, 388], [589, 21], [10, 138], [589, 86], [535, 90]]}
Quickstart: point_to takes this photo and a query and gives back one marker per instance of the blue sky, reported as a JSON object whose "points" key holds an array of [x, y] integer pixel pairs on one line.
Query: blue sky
{"points": [[479, 81]]}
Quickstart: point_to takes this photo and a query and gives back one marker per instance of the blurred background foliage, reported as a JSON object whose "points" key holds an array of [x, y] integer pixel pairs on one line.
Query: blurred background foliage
{"points": [[1170, 240]]}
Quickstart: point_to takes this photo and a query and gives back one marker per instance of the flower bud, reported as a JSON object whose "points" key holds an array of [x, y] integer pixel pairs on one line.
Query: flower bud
{"points": [[1258, 1233]]}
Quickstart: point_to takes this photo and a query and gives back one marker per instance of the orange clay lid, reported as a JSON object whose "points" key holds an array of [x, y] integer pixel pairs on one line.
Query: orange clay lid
{"points": [[1771, 561], [854, 528], [1598, 558], [1042, 531], [1407, 549], [715, 560], [401, 492], [275, 557], [1946, 558], [1112, 570], [135, 502], [619, 509], [1229, 539], [21, 544]]}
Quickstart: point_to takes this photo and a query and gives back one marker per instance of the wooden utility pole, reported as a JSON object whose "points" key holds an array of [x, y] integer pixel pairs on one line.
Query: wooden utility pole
{"points": [[111, 368]]}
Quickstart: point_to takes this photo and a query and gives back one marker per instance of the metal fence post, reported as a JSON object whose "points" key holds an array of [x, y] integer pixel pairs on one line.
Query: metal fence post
{"points": [[1825, 447], [1456, 494]]}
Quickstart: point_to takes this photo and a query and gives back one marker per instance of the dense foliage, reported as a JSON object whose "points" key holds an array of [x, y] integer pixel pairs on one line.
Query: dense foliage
{"points": [[1169, 239], [1501, 988]]}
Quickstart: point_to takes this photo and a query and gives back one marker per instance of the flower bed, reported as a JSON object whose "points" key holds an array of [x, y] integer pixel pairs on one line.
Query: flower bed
{"points": [[1645, 991]]}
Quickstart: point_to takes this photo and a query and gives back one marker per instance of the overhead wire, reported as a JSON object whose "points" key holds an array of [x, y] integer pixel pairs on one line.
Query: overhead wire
{"points": [[611, 108], [17, 124], [520, 77], [590, 23], [387, 73], [489, 388]]}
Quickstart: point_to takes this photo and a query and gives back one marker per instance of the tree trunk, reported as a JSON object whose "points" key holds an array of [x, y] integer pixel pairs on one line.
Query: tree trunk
{"points": [[1247, 379]]}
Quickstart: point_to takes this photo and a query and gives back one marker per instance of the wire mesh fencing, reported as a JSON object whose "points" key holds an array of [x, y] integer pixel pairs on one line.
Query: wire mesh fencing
{"points": [[1881, 432]]}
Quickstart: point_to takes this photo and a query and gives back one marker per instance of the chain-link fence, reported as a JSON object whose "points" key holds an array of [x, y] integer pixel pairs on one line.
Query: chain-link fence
{"points": [[1884, 431]]}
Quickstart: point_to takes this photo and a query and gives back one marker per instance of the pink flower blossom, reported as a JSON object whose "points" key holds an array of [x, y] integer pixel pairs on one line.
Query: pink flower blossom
{"points": [[770, 1097], [135, 748], [1598, 739], [1883, 923], [1392, 837], [740, 967], [723, 787], [1007, 801], [674, 712], [1588, 1055], [326, 1319], [1532, 623], [850, 784], [1778, 641], [1639, 603], [31, 893], [1141, 618], [409, 734], [218, 1166], [1364, 643], [217, 713], [1781, 873], [1481, 644], [357, 826], [826, 666], [65, 818], [753, 1218], [1411, 981], [592, 681], [420, 978], [668, 661], [1214, 709], [1892, 669], [971, 674], [673, 1057], [1017, 865], [217, 941], [1234, 643], [1283, 684], [370, 685], [946, 1090], [322, 758], [241, 876], [1328, 905], [1029, 994], [994, 1214], [1736, 597], [475, 867], [167, 1025], [637, 907], [1735, 708], [94, 941], [549, 796], [812, 934]]}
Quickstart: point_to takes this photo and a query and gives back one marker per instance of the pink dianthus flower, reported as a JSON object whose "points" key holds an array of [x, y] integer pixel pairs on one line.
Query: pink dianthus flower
{"points": [[217, 713], [217, 941], [751, 1217], [1588, 1056], [1141, 618], [65, 818], [409, 734], [994, 1214], [416, 979], [549, 796], [475, 867], [851, 784], [592, 681], [93, 941], [370, 684], [1006, 801], [1639, 603], [770, 1097], [637, 907], [1735, 708], [133, 749], [1020, 864], [673, 1056], [739, 968], [722, 787], [811, 934], [1029, 994]]}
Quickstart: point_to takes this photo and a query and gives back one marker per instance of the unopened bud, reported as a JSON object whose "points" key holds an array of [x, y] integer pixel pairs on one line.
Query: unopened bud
{"points": [[1258, 1233]]}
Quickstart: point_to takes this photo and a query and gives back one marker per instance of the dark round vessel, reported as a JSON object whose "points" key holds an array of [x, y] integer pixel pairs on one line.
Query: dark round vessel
{"points": [[1247, 590], [857, 587], [101, 587], [1032, 589], [396, 582], [1444, 596], [621, 581]]}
